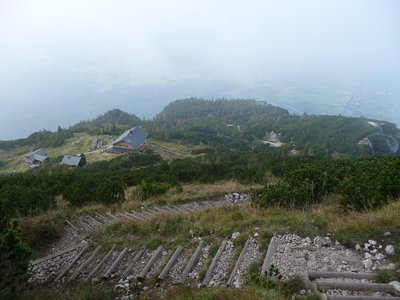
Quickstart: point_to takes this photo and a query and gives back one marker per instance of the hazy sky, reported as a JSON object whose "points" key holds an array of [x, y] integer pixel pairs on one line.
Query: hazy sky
{"points": [[62, 61]]}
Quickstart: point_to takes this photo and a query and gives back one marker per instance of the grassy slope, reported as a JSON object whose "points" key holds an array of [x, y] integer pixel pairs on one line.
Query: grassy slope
{"points": [[80, 143], [213, 225]]}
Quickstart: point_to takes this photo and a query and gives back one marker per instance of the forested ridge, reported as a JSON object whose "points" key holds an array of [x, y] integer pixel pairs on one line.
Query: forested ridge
{"points": [[237, 124], [243, 125]]}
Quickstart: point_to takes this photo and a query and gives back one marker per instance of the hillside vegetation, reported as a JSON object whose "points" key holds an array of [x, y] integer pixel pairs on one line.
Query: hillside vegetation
{"points": [[209, 125], [244, 124], [305, 174]]}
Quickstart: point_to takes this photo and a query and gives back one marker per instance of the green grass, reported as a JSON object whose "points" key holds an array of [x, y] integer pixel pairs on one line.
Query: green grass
{"points": [[79, 143], [81, 291]]}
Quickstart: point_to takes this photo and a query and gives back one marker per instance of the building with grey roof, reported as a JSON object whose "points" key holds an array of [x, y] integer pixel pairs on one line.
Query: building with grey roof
{"points": [[74, 161], [37, 157], [132, 140]]}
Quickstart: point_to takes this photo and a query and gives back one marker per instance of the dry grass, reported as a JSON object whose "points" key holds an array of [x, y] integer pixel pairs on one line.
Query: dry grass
{"points": [[348, 227], [170, 150], [358, 226], [40, 231], [191, 192]]}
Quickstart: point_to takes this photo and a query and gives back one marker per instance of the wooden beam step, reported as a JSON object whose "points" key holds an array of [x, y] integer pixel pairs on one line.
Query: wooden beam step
{"points": [[133, 262], [214, 262], [145, 214], [209, 204], [237, 264], [93, 221], [153, 211], [129, 216], [330, 297], [186, 207], [85, 264], [101, 263], [180, 209], [316, 275], [103, 218], [356, 286], [195, 208], [65, 270], [86, 223], [122, 215], [115, 264], [149, 264], [268, 256], [170, 263], [112, 216], [137, 215], [72, 226], [191, 263], [172, 210], [159, 210], [83, 226], [38, 261], [132, 216]]}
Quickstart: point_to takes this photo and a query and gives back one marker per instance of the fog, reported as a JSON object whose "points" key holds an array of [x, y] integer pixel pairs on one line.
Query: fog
{"points": [[62, 61]]}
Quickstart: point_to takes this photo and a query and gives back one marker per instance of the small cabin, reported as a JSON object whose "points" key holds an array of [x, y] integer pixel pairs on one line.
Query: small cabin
{"points": [[132, 140], [74, 161], [37, 157]]}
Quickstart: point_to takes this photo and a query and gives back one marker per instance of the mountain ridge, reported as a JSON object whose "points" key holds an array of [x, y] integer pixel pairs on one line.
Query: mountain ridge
{"points": [[239, 125]]}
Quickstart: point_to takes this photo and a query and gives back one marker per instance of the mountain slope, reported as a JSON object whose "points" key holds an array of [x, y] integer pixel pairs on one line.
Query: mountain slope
{"points": [[112, 122], [247, 124]]}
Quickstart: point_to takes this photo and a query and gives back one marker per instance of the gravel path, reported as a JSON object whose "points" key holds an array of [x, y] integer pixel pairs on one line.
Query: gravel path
{"points": [[174, 275], [194, 273], [297, 256], [252, 255], [223, 264]]}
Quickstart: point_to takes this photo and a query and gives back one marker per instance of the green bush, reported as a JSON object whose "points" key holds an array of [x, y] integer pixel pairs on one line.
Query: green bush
{"points": [[363, 183], [146, 190], [292, 286], [14, 263]]}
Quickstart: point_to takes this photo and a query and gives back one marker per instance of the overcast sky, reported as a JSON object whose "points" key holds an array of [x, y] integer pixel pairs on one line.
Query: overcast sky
{"points": [[62, 61]]}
